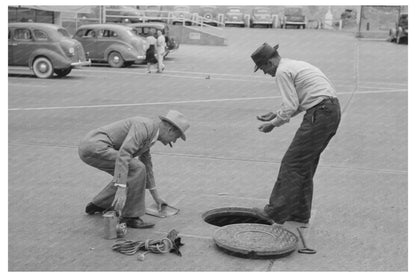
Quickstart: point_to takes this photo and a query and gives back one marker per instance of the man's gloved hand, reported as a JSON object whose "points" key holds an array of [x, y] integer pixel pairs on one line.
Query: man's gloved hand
{"points": [[266, 117], [266, 128], [120, 199]]}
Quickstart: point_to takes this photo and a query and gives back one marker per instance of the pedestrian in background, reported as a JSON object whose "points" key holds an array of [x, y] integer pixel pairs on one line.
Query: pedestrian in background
{"points": [[161, 48], [303, 87], [122, 149], [151, 53]]}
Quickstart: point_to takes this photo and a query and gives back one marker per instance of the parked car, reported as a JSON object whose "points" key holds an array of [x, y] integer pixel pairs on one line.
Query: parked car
{"points": [[154, 13], [143, 29], [261, 16], [235, 17], [401, 31], [45, 48], [209, 15], [182, 15], [123, 14], [294, 16], [116, 44]]}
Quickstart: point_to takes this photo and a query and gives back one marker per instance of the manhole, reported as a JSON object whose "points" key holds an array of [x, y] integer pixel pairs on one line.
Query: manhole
{"points": [[233, 215], [255, 241], [243, 233]]}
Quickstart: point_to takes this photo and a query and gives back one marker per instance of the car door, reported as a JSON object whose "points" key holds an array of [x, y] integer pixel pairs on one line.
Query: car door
{"points": [[105, 38], [88, 39], [22, 45]]}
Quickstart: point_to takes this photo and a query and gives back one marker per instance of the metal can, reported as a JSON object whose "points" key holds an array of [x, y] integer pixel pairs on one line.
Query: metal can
{"points": [[110, 225], [121, 230]]}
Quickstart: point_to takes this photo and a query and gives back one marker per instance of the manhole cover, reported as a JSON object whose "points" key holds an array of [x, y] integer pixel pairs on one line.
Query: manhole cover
{"points": [[233, 215], [252, 240]]}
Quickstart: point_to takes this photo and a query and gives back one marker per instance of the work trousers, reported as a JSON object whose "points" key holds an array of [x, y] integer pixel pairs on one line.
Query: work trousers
{"points": [[96, 151], [291, 197]]}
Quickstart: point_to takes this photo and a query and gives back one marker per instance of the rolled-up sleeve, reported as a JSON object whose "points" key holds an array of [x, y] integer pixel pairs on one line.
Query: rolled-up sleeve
{"points": [[290, 100]]}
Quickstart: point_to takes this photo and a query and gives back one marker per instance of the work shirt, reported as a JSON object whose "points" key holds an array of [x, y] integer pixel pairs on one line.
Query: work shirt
{"points": [[132, 137], [301, 86], [161, 44], [151, 40]]}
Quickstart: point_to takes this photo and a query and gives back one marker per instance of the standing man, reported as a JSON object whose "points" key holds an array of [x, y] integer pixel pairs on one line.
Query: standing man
{"points": [[303, 87], [161, 48], [122, 149]]}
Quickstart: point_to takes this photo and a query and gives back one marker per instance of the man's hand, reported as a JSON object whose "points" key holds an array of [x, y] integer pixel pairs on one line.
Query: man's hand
{"points": [[266, 128], [119, 199], [160, 203], [266, 117]]}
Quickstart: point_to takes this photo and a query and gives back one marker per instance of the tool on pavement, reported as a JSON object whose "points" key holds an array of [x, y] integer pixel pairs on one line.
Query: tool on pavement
{"points": [[166, 211], [305, 249], [112, 228]]}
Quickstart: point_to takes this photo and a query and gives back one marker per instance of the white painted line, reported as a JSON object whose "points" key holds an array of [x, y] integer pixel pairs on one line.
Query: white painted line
{"points": [[28, 85], [186, 101]]}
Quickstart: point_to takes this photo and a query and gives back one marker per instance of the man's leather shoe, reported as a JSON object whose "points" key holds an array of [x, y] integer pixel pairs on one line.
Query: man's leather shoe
{"points": [[136, 222], [297, 219], [263, 215], [91, 209]]}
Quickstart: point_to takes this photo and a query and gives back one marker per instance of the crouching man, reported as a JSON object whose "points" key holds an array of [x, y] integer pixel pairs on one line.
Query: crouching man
{"points": [[122, 149]]}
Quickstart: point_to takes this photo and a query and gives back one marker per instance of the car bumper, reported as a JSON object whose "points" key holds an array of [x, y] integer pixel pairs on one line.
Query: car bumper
{"points": [[295, 23], [234, 22], [262, 22], [80, 63]]}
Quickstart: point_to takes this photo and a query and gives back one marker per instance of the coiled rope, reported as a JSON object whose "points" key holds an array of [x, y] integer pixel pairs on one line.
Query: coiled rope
{"points": [[129, 247]]}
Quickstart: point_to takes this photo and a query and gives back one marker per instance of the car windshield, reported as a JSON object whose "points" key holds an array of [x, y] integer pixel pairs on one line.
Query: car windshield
{"points": [[181, 9], [63, 32], [293, 11], [234, 10]]}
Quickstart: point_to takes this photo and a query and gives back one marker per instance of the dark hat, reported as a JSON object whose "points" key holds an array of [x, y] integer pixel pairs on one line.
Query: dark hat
{"points": [[263, 54]]}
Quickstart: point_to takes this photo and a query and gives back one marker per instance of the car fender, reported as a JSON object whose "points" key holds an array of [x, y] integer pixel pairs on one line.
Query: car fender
{"points": [[57, 60], [123, 50]]}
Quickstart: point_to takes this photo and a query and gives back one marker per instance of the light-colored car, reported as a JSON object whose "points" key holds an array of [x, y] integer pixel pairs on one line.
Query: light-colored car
{"points": [[45, 48], [123, 14], [293, 16], [234, 17], [116, 44], [261, 16], [182, 15], [209, 15]]}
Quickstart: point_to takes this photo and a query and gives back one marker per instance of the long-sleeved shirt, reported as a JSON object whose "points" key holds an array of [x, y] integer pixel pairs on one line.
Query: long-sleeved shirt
{"points": [[301, 86]]}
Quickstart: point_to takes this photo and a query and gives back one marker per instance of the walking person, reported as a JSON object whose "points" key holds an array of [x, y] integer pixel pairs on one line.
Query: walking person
{"points": [[122, 149], [161, 48], [303, 87], [151, 53]]}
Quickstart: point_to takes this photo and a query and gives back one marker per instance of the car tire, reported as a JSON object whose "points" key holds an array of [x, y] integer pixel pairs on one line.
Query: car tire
{"points": [[115, 59], [63, 72], [129, 63], [42, 67]]}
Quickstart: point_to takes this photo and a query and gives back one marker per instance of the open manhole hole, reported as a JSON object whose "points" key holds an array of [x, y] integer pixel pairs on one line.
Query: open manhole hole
{"points": [[244, 234], [233, 215]]}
